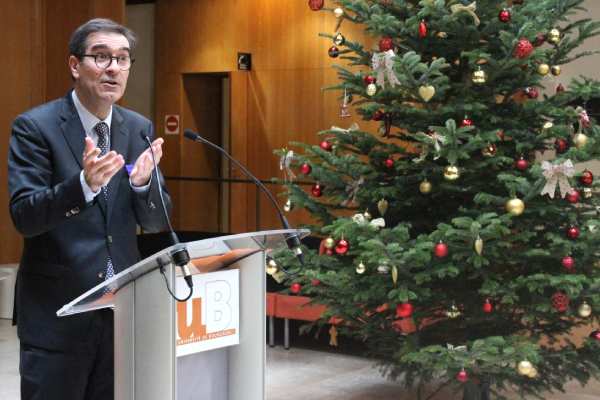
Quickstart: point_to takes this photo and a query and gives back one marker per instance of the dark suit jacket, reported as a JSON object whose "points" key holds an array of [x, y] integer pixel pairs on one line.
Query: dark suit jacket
{"points": [[66, 241]]}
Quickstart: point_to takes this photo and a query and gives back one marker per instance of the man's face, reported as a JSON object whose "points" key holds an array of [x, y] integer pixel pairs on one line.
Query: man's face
{"points": [[100, 87]]}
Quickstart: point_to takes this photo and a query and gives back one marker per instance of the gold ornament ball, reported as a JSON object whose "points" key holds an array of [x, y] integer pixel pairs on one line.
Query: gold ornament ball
{"points": [[383, 269], [425, 187], [543, 69], [554, 36], [338, 13], [555, 70], [360, 268], [479, 77], [451, 172], [288, 206], [381, 131], [586, 192], [584, 310], [371, 89], [579, 141], [453, 311], [329, 243], [271, 267], [547, 126], [515, 206], [339, 39], [533, 373], [366, 215], [525, 367]]}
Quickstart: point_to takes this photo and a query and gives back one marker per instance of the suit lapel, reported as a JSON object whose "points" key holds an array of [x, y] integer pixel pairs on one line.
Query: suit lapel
{"points": [[119, 142]]}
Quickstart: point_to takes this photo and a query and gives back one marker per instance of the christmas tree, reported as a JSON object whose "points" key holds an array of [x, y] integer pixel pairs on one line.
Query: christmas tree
{"points": [[442, 217]]}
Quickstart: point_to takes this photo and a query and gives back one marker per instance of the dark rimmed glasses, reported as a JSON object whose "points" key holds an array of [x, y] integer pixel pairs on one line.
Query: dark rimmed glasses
{"points": [[104, 60]]}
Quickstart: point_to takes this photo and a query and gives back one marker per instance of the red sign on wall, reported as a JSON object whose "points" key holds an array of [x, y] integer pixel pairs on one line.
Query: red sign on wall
{"points": [[172, 124]]}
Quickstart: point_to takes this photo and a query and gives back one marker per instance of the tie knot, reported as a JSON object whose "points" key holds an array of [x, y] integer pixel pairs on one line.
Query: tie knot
{"points": [[101, 128]]}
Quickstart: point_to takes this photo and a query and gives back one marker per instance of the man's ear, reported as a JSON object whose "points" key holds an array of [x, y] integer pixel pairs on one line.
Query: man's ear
{"points": [[74, 65]]}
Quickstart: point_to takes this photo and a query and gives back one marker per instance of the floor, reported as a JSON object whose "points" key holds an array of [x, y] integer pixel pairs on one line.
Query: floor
{"points": [[295, 374]]}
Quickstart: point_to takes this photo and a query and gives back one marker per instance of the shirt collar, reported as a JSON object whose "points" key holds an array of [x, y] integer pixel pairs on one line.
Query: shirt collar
{"points": [[89, 120]]}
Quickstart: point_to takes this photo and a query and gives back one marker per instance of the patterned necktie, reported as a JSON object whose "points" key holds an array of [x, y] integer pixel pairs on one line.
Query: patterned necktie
{"points": [[101, 129]]}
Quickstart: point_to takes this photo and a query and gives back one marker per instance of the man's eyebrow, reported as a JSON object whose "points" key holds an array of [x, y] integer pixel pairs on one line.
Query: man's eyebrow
{"points": [[105, 47]]}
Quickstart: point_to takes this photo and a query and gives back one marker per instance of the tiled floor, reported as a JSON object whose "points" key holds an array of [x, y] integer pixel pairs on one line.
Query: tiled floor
{"points": [[296, 374]]}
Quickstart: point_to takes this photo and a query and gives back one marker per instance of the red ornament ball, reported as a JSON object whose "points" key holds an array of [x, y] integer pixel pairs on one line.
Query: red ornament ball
{"points": [[586, 179], [440, 250], [560, 89], [487, 307], [560, 301], [325, 145], [521, 165], [305, 169], [572, 233], [462, 376], [386, 44], [315, 282], [501, 135], [295, 288], [523, 49], [316, 5], [369, 79], [342, 246], [317, 190], [333, 52], [573, 197], [567, 263], [595, 335], [377, 115], [561, 145], [404, 310], [422, 29], [466, 122], [329, 252], [539, 40], [389, 163], [504, 16], [533, 94]]}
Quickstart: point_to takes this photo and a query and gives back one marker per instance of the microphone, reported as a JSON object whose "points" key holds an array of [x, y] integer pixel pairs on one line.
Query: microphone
{"points": [[292, 239], [180, 255]]}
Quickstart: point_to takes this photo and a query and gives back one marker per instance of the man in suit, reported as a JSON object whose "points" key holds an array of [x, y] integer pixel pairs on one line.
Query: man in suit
{"points": [[77, 207]]}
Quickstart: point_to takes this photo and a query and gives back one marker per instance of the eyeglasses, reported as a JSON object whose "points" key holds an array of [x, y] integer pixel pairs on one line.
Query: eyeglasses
{"points": [[104, 60]]}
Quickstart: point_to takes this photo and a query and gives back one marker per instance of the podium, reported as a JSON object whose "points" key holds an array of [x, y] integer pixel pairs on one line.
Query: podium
{"points": [[146, 364]]}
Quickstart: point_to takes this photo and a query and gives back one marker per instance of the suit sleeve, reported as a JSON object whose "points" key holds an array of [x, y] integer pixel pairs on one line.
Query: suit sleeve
{"points": [[149, 212], [37, 204]]}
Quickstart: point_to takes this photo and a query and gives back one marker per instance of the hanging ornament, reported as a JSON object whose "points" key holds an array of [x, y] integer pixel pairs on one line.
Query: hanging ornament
{"points": [[329, 252], [489, 151], [479, 77], [386, 44], [360, 268], [453, 311], [271, 267], [339, 39], [422, 28], [344, 110], [547, 126], [533, 94], [466, 122], [387, 119], [521, 165], [342, 246], [561, 145], [333, 52], [404, 310], [425, 187], [315, 282], [394, 273], [572, 233], [305, 169], [554, 36], [501, 135], [557, 174], [366, 215], [539, 40], [586, 178], [338, 13], [525, 367], [389, 163], [555, 70], [325, 145], [329, 243], [595, 335], [288, 205], [462, 376], [426, 92], [382, 206], [579, 141], [440, 250], [295, 288], [504, 16], [560, 89], [586, 192], [479, 245], [377, 115], [559, 301], [543, 69], [515, 206], [371, 89], [584, 310], [316, 5], [487, 307], [381, 130], [573, 196], [317, 190], [451, 172], [523, 48], [567, 263], [533, 373]]}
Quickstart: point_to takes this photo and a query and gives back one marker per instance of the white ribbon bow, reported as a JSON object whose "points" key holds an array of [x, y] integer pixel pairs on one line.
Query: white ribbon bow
{"points": [[382, 62], [284, 164], [468, 9], [437, 139], [353, 127], [352, 189], [557, 174]]}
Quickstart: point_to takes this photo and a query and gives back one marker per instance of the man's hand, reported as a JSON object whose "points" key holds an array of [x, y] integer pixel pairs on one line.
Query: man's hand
{"points": [[98, 171], [140, 175]]}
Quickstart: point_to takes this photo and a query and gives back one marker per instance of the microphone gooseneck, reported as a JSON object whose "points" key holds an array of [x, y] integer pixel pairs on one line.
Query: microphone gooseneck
{"points": [[180, 255], [292, 239]]}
